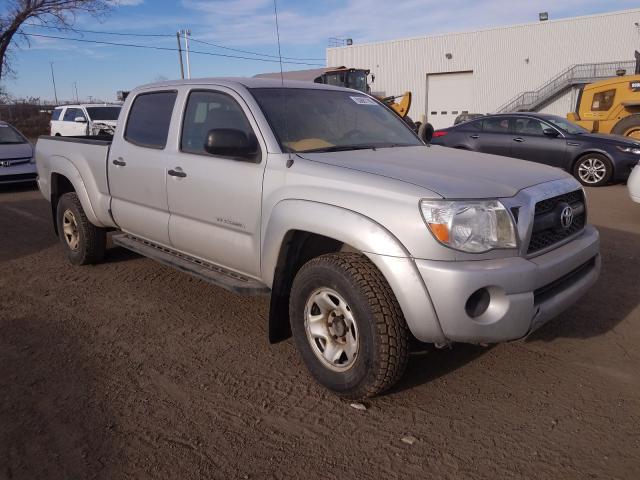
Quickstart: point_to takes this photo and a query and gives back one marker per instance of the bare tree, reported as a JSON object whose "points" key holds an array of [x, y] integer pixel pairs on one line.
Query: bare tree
{"points": [[58, 13]]}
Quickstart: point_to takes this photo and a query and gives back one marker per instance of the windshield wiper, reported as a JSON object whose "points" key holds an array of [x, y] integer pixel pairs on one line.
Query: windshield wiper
{"points": [[339, 148]]}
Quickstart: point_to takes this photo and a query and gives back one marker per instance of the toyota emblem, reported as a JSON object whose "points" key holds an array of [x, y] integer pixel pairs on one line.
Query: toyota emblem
{"points": [[566, 217]]}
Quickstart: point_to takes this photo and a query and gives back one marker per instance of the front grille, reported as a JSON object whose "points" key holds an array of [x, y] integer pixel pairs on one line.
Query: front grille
{"points": [[547, 230], [22, 177]]}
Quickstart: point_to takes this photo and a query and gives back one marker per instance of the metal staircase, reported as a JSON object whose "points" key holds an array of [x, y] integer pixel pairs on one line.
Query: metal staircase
{"points": [[575, 75]]}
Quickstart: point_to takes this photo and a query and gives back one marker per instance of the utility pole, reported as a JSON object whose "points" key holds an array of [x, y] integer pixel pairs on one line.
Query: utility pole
{"points": [[75, 86], [55, 94], [180, 55], [186, 34]]}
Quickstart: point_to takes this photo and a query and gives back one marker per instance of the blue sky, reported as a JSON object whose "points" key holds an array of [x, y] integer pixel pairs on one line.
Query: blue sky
{"points": [[305, 27]]}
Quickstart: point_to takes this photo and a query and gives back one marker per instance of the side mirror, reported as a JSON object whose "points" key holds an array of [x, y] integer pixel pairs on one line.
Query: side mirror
{"points": [[551, 132], [229, 142], [425, 132], [80, 120]]}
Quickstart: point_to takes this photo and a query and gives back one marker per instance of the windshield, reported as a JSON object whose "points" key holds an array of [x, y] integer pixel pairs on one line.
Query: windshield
{"points": [[566, 125], [306, 120], [103, 113], [357, 81], [10, 135]]}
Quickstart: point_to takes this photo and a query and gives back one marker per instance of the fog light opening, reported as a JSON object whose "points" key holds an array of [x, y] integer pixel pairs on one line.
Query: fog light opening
{"points": [[478, 303]]}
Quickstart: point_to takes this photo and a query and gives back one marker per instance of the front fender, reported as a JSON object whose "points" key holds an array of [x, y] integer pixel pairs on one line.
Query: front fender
{"points": [[366, 236], [63, 166]]}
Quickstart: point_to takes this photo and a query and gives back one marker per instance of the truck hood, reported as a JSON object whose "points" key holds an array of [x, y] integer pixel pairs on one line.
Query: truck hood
{"points": [[448, 172], [15, 150]]}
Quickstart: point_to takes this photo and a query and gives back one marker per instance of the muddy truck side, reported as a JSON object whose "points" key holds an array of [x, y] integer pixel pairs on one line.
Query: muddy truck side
{"points": [[363, 236]]}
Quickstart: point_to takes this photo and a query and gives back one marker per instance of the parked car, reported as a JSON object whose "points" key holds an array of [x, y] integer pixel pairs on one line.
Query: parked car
{"points": [[633, 184], [466, 117], [16, 156], [324, 199], [593, 159], [86, 119]]}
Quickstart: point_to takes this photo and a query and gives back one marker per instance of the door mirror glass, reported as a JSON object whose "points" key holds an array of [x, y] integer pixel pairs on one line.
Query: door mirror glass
{"points": [[551, 132], [80, 120], [229, 142]]}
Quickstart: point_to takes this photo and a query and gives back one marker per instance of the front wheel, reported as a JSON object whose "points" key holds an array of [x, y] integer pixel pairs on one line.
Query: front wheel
{"points": [[593, 170], [348, 326]]}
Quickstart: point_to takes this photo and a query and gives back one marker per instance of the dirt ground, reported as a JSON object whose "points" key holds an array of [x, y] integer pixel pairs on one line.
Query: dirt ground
{"points": [[129, 369]]}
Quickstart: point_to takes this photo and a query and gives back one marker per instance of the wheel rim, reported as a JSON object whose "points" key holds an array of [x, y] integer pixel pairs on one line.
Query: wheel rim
{"points": [[70, 229], [331, 329], [592, 170], [633, 132]]}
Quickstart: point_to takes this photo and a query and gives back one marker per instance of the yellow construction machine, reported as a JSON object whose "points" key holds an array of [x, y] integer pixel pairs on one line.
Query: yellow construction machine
{"points": [[611, 105]]}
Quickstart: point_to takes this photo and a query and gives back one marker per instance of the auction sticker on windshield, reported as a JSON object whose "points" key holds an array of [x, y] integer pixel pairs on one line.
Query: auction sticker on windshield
{"points": [[364, 101]]}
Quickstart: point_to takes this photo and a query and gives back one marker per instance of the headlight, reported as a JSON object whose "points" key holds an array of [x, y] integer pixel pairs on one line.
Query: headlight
{"points": [[635, 150], [469, 226]]}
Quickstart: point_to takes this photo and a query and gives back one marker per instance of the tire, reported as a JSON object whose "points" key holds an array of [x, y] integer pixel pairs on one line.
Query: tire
{"points": [[83, 242], [369, 317], [593, 170], [628, 127]]}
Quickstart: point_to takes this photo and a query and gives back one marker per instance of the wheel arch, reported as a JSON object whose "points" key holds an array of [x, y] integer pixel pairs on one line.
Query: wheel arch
{"points": [[590, 151], [296, 233]]}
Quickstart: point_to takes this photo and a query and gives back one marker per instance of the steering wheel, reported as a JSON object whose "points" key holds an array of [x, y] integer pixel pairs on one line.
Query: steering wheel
{"points": [[354, 136]]}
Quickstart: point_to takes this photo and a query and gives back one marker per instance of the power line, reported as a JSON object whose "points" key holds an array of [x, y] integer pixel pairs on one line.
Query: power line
{"points": [[133, 45], [131, 34]]}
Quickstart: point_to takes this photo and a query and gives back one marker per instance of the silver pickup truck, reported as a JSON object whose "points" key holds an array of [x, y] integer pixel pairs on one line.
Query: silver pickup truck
{"points": [[363, 236]]}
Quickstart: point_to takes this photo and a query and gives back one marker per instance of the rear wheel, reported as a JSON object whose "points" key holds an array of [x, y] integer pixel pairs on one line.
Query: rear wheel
{"points": [[83, 242], [593, 170], [348, 326], [628, 127]]}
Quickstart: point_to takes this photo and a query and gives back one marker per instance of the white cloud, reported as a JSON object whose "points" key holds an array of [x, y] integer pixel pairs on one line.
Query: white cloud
{"points": [[127, 3]]}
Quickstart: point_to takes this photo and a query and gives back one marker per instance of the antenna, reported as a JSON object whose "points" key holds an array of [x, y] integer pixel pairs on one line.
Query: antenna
{"points": [[275, 11], [284, 103]]}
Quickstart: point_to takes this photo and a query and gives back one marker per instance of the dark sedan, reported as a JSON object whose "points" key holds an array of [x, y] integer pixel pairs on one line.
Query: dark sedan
{"points": [[592, 158]]}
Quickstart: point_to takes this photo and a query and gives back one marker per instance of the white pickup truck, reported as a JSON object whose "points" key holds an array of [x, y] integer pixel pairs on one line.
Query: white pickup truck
{"points": [[322, 198]]}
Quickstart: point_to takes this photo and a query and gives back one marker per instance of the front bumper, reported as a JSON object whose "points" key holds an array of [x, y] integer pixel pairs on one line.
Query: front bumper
{"points": [[22, 172], [523, 293], [624, 164]]}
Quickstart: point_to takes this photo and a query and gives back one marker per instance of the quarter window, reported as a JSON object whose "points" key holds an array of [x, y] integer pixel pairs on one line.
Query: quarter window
{"points": [[149, 119], [208, 111], [55, 115], [603, 101]]}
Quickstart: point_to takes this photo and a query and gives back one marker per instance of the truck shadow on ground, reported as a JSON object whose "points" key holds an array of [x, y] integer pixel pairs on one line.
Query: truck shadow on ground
{"points": [[53, 420]]}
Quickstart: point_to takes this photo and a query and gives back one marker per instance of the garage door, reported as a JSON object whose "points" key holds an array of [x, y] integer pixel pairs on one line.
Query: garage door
{"points": [[448, 95]]}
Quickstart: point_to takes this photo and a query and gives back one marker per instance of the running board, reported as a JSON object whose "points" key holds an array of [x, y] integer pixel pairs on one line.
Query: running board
{"points": [[206, 271]]}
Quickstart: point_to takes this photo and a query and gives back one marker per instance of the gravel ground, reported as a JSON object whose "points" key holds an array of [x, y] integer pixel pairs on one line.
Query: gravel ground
{"points": [[129, 369]]}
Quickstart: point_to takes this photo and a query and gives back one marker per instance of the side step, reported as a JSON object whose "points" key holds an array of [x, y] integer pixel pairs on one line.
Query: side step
{"points": [[206, 271]]}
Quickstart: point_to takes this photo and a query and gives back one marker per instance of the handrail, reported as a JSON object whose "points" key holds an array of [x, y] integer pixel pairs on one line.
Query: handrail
{"points": [[576, 74]]}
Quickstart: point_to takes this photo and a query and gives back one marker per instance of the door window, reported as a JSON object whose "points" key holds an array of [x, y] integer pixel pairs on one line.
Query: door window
{"points": [[495, 125], [529, 126], [71, 114], [603, 101], [149, 119], [55, 115], [206, 111]]}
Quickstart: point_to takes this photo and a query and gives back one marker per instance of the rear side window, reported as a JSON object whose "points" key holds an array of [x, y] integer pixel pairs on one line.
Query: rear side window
{"points": [[495, 125], [206, 111], [603, 101], [55, 115], [71, 114], [149, 119]]}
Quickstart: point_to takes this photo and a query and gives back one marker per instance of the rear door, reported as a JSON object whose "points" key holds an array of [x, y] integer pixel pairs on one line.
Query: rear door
{"points": [[215, 203], [530, 142], [495, 137], [138, 167]]}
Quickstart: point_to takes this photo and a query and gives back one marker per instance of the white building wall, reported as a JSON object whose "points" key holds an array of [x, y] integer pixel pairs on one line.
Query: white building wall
{"points": [[497, 57]]}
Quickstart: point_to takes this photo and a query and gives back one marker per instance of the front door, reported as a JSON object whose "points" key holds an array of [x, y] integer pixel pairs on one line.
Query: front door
{"points": [[71, 127], [216, 201], [530, 142], [138, 168]]}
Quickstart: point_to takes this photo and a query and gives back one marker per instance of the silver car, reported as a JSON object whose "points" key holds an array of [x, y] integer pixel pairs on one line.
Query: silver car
{"points": [[17, 164]]}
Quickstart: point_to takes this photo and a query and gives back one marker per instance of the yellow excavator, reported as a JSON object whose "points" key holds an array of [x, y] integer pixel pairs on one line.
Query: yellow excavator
{"points": [[358, 79]]}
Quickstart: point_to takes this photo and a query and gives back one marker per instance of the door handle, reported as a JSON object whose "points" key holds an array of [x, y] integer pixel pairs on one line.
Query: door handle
{"points": [[177, 173], [474, 136], [518, 139], [119, 162]]}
